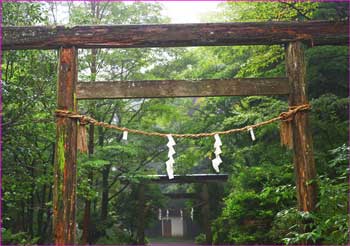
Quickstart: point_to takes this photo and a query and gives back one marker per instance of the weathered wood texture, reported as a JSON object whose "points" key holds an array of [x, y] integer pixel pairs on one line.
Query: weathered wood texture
{"points": [[182, 88], [175, 35], [64, 199], [304, 163]]}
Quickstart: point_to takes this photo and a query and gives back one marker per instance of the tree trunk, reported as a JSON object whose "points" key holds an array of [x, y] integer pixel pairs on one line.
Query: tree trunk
{"points": [[141, 215], [30, 214], [206, 214], [40, 214], [105, 192], [87, 210], [45, 233]]}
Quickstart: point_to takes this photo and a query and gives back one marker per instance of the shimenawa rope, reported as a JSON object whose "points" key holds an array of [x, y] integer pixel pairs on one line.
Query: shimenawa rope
{"points": [[83, 119]]}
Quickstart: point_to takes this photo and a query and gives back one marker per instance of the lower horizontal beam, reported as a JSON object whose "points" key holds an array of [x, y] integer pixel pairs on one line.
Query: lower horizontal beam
{"points": [[182, 88]]}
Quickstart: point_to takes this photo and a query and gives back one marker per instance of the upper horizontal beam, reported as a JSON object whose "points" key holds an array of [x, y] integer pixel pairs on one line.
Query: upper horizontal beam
{"points": [[174, 35], [182, 88]]}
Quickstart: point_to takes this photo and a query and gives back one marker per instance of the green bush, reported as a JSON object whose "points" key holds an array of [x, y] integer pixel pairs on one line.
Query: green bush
{"points": [[20, 238], [328, 224], [116, 235], [257, 195], [200, 239]]}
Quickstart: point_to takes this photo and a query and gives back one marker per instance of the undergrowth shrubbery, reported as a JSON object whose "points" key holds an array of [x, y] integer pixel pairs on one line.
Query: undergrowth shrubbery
{"points": [[269, 214]]}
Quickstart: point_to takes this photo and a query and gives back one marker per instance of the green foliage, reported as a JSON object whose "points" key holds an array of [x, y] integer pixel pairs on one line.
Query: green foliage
{"points": [[256, 195], [23, 14], [127, 207], [327, 71], [328, 224], [200, 239], [20, 238], [115, 235], [329, 124], [27, 132]]}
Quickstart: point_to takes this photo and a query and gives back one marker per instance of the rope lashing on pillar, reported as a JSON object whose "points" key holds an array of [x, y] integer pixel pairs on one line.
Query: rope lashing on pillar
{"points": [[82, 139], [284, 117], [286, 133]]}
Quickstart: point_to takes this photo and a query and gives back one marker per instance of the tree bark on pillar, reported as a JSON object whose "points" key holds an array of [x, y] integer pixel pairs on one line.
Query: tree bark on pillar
{"points": [[65, 167], [206, 214], [304, 163]]}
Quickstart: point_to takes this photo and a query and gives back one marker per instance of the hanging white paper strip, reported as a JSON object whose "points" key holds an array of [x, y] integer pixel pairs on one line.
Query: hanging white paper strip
{"points": [[251, 133], [171, 140], [217, 160], [171, 152], [217, 140], [125, 135], [170, 167], [170, 162], [159, 214]]}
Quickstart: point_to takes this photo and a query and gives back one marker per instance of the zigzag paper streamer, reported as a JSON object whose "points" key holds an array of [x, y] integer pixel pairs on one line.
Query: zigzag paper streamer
{"points": [[217, 161], [170, 162], [159, 214]]}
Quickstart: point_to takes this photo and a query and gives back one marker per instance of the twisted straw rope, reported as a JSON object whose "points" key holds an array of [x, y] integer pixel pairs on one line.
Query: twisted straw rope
{"points": [[83, 119]]}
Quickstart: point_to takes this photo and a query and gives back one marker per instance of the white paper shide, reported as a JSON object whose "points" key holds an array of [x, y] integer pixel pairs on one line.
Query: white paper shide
{"points": [[170, 162], [252, 135], [125, 135], [217, 145]]}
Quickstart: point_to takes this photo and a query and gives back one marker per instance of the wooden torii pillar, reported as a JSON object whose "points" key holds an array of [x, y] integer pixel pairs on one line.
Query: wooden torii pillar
{"points": [[65, 167], [304, 163]]}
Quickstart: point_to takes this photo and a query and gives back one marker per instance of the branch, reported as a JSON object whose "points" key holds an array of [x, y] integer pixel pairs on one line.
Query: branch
{"points": [[137, 112], [292, 5], [142, 164]]}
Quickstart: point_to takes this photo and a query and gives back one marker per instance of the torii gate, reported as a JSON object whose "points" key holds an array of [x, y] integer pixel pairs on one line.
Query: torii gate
{"points": [[68, 40]]}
